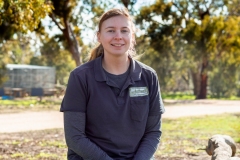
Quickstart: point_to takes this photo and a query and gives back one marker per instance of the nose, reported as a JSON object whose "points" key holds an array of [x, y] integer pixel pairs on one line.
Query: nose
{"points": [[118, 36]]}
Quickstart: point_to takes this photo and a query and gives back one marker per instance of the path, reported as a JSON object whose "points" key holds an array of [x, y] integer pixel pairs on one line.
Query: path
{"points": [[25, 121]]}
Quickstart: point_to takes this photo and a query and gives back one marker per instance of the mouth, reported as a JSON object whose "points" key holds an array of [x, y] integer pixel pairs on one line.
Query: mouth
{"points": [[117, 45]]}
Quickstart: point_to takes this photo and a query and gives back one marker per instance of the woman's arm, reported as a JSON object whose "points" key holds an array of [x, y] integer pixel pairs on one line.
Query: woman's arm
{"points": [[150, 140], [77, 141]]}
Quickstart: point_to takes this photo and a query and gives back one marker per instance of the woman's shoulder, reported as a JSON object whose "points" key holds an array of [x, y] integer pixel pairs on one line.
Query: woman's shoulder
{"points": [[83, 68], [145, 67]]}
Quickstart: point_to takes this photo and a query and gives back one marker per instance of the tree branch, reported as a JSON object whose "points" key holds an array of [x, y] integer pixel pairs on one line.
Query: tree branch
{"points": [[52, 15]]}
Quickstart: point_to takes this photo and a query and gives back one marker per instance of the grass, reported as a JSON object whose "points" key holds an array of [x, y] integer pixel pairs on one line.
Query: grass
{"points": [[53, 103], [187, 135], [178, 96], [33, 145], [30, 103], [181, 137], [188, 96]]}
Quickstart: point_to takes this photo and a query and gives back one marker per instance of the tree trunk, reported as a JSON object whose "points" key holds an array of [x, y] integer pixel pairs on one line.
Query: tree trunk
{"points": [[203, 80], [73, 45], [125, 3], [196, 82]]}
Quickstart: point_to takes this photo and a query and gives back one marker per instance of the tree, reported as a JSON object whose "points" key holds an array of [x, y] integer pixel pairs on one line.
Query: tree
{"points": [[53, 55], [61, 16], [24, 16], [190, 30], [128, 4], [17, 50], [15, 17], [70, 17], [21, 16]]}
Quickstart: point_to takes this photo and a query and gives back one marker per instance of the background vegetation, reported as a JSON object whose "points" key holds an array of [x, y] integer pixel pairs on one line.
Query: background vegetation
{"points": [[193, 45]]}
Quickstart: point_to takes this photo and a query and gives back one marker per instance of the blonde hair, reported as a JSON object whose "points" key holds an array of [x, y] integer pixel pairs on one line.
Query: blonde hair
{"points": [[98, 50]]}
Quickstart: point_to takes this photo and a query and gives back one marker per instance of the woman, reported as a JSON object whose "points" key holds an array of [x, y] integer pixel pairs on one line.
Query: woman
{"points": [[112, 105]]}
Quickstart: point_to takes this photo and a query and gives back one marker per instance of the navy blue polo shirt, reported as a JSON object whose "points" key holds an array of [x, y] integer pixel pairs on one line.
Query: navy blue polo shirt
{"points": [[116, 123]]}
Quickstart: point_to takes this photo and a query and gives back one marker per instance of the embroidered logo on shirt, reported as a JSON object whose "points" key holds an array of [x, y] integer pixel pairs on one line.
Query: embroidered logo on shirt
{"points": [[138, 91]]}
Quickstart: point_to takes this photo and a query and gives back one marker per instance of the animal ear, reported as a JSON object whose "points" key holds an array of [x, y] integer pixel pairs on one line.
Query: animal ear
{"points": [[210, 147]]}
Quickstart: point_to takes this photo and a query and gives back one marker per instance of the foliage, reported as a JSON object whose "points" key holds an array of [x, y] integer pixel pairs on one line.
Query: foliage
{"points": [[168, 70], [21, 16], [179, 36], [72, 18], [58, 50], [16, 50], [224, 81], [189, 36], [53, 55], [3, 70], [17, 17]]}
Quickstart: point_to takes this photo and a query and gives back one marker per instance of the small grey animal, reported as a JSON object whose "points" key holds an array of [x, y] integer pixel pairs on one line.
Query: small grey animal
{"points": [[221, 147]]}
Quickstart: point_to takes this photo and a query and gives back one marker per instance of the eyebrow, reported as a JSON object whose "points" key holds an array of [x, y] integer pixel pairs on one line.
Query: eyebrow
{"points": [[115, 27]]}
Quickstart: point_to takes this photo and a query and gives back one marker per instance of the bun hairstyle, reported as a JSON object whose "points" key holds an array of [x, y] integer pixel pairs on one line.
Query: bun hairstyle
{"points": [[98, 50]]}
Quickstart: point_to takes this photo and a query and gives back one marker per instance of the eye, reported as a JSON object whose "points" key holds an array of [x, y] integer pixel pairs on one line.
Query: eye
{"points": [[111, 31], [124, 31]]}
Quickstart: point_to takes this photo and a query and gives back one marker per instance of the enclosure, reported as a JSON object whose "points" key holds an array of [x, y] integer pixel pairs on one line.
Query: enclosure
{"points": [[30, 79]]}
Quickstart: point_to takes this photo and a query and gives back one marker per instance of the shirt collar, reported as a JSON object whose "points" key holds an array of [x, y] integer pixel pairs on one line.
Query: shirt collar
{"points": [[135, 70], [98, 70]]}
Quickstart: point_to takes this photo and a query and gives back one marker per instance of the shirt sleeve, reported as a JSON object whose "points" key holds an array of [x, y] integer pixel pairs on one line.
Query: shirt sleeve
{"points": [[77, 141], [75, 98], [156, 103], [150, 140]]}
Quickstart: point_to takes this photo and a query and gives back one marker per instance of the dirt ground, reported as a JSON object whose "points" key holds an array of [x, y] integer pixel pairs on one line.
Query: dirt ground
{"points": [[33, 145], [49, 144]]}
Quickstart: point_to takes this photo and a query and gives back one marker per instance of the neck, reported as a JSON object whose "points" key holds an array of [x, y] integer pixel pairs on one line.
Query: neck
{"points": [[116, 65]]}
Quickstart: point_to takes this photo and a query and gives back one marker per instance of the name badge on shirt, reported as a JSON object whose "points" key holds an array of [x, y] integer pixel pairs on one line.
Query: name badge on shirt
{"points": [[138, 91]]}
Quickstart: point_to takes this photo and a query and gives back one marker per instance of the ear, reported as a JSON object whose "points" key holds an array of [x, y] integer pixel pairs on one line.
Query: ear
{"points": [[98, 37]]}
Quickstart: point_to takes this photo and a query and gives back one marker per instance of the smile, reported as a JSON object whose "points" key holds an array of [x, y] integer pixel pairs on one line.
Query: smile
{"points": [[117, 45]]}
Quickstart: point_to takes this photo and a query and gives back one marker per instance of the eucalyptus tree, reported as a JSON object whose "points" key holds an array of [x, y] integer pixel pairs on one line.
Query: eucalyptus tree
{"points": [[196, 31], [18, 16], [128, 4], [68, 15], [21, 16]]}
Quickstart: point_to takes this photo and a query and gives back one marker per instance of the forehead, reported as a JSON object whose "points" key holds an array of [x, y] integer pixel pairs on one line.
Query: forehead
{"points": [[117, 21]]}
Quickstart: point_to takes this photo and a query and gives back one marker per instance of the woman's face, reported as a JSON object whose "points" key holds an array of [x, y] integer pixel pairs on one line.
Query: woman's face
{"points": [[116, 36]]}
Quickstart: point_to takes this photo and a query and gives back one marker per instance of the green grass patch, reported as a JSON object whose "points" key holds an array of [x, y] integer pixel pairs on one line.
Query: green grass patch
{"points": [[188, 135], [19, 155], [44, 155], [58, 144], [178, 96], [180, 138], [188, 96], [224, 98], [30, 103]]}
